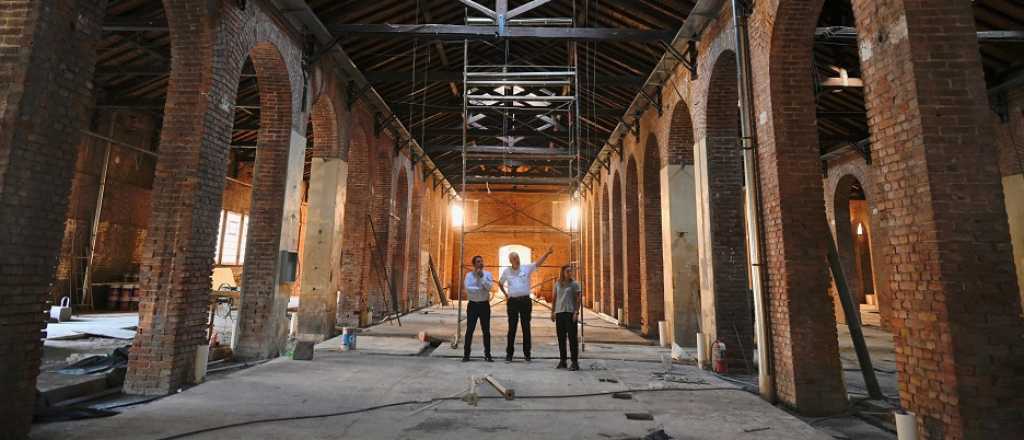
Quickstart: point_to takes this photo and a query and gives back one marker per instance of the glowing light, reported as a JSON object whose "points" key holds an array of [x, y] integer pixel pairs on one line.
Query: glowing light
{"points": [[457, 215], [572, 218], [860, 229]]}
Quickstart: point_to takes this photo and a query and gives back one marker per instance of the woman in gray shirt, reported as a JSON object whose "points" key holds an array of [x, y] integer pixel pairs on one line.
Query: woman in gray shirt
{"points": [[567, 306]]}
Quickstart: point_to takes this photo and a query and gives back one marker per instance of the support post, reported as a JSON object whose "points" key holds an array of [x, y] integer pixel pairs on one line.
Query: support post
{"points": [[853, 321]]}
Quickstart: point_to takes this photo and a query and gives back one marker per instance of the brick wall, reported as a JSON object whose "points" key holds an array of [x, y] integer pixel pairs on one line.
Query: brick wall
{"points": [[631, 239], [651, 257], [126, 204], [47, 55], [507, 218], [956, 305]]}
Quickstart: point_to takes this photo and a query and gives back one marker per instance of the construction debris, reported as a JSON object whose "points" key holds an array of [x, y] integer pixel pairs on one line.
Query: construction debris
{"points": [[509, 393]]}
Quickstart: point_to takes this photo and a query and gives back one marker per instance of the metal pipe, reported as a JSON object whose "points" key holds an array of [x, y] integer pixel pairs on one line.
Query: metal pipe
{"points": [[753, 203]]}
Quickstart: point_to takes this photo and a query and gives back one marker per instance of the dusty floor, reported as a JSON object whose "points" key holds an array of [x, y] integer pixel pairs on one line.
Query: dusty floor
{"points": [[391, 366]]}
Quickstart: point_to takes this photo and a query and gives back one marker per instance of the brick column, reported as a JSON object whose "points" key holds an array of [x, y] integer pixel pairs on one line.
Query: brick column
{"points": [[633, 296], [47, 57], [321, 257], [679, 231], [187, 190], [725, 301], [956, 308], [808, 372], [651, 258]]}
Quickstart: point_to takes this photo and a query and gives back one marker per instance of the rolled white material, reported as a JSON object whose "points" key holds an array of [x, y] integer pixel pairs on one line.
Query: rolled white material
{"points": [[621, 317], [906, 425], [662, 333], [202, 358], [293, 325], [701, 357]]}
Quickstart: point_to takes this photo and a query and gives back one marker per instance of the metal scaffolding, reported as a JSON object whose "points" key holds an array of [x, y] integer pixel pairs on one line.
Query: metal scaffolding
{"points": [[509, 99]]}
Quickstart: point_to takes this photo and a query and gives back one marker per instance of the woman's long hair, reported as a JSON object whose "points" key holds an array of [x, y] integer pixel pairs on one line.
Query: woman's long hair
{"points": [[561, 274]]}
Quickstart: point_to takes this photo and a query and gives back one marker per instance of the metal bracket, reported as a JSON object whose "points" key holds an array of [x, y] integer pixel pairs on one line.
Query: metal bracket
{"points": [[654, 100], [687, 58], [353, 95], [381, 123], [864, 148]]}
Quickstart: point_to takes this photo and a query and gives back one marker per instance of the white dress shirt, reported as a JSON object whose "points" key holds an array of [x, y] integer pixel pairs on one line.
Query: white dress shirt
{"points": [[518, 280], [479, 289]]}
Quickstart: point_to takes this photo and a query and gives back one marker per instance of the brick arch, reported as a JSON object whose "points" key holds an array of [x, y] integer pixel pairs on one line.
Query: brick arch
{"points": [[260, 326], [652, 261], [618, 248], [633, 279], [355, 260], [326, 139], [606, 251], [679, 148], [726, 304], [803, 320], [398, 242]]}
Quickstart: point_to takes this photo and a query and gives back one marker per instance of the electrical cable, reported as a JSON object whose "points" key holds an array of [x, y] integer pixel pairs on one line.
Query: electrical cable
{"points": [[427, 402]]}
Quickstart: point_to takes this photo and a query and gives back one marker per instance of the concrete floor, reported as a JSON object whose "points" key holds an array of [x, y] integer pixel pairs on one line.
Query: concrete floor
{"points": [[391, 366]]}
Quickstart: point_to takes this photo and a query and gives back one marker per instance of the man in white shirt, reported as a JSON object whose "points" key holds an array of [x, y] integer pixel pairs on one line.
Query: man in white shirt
{"points": [[515, 284], [478, 289]]}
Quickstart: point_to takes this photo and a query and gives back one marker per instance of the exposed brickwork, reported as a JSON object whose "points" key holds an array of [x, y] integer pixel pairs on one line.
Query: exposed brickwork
{"points": [[262, 310], [47, 55], [956, 306], [680, 141], [606, 252], [651, 257], [322, 233], [633, 277], [190, 183], [618, 248], [398, 240], [808, 372], [355, 257], [725, 265]]}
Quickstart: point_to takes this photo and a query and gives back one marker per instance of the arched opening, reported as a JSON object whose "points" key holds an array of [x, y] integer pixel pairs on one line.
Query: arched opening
{"points": [[606, 254], [633, 294], [679, 228], [320, 226], [262, 310], [399, 242], [619, 282], [653, 263], [353, 304], [525, 256], [725, 298]]}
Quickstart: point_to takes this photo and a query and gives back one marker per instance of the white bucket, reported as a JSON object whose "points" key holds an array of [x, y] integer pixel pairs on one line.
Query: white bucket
{"points": [[202, 358], [701, 357], [62, 312], [906, 425], [662, 334]]}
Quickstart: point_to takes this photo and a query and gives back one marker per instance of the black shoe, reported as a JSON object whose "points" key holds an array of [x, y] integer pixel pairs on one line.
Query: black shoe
{"points": [[561, 365], [527, 358], [574, 367], [508, 358], [465, 359], [488, 359]]}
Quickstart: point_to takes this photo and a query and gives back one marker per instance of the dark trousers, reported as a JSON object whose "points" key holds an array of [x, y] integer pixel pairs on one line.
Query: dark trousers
{"points": [[478, 310], [565, 327], [519, 310]]}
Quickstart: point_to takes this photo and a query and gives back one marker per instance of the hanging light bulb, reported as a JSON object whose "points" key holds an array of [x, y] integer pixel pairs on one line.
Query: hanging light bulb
{"points": [[860, 229]]}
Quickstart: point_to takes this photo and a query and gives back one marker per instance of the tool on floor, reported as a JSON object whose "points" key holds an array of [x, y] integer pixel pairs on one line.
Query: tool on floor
{"points": [[509, 393]]}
